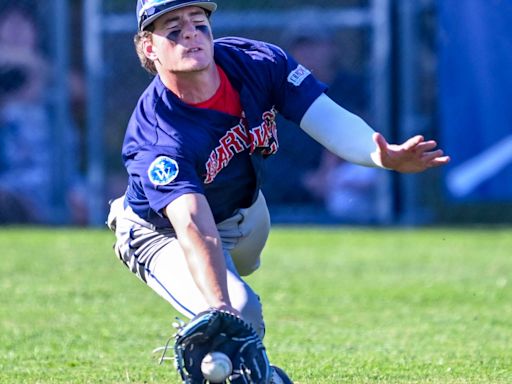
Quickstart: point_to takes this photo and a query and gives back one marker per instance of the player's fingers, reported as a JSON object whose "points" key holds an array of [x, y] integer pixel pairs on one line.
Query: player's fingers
{"points": [[381, 142], [438, 161], [428, 156], [412, 142], [426, 145], [435, 157]]}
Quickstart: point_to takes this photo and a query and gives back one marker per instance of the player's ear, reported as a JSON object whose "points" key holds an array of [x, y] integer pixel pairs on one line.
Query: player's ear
{"points": [[148, 48]]}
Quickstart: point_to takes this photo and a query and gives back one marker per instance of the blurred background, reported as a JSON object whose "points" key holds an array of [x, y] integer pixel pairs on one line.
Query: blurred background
{"points": [[69, 79]]}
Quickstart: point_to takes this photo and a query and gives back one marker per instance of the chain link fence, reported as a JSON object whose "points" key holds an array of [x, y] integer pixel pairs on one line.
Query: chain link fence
{"points": [[70, 161], [41, 101], [344, 43]]}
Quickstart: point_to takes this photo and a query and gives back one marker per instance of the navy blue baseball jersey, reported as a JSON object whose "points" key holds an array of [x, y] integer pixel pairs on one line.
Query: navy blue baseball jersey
{"points": [[172, 148]]}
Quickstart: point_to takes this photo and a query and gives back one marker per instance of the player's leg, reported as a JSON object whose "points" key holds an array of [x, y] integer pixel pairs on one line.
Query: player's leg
{"points": [[168, 275], [157, 258], [245, 235]]}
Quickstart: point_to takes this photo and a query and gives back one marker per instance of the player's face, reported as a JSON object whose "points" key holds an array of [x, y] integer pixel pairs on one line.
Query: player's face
{"points": [[182, 41]]}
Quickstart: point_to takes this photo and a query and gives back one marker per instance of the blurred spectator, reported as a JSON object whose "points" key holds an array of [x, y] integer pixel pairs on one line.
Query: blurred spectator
{"points": [[349, 191], [302, 171], [26, 163]]}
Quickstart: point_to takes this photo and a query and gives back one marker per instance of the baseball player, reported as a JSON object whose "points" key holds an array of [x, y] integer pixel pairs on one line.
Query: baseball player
{"points": [[193, 220]]}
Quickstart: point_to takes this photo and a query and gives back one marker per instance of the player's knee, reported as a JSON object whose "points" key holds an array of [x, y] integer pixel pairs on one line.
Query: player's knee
{"points": [[254, 314], [245, 269], [249, 305]]}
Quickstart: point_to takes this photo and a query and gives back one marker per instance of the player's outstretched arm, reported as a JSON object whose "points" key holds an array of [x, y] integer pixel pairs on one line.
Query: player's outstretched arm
{"points": [[348, 136], [414, 155], [192, 219]]}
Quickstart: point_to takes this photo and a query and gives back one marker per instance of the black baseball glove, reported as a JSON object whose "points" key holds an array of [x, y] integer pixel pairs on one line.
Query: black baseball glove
{"points": [[220, 331]]}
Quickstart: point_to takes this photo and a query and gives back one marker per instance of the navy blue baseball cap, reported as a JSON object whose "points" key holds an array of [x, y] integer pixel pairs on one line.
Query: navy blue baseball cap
{"points": [[149, 10]]}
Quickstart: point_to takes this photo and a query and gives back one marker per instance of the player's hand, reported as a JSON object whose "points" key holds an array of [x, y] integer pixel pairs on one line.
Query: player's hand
{"points": [[229, 309], [414, 155]]}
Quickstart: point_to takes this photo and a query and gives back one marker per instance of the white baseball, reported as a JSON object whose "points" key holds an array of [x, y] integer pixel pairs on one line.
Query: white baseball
{"points": [[216, 367]]}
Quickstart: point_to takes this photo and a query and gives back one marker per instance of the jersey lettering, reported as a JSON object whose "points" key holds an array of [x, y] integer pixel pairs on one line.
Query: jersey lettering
{"points": [[257, 50], [233, 142], [297, 76], [269, 125], [237, 140], [265, 135]]}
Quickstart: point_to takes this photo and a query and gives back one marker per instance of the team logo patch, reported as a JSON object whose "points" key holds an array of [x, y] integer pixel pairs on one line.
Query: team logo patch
{"points": [[297, 76], [163, 170]]}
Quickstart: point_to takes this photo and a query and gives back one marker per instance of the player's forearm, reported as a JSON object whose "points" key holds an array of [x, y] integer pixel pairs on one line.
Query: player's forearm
{"points": [[207, 265], [340, 131], [191, 218]]}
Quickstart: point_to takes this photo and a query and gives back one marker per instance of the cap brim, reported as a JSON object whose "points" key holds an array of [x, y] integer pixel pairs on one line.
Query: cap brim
{"points": [[209, 6]]}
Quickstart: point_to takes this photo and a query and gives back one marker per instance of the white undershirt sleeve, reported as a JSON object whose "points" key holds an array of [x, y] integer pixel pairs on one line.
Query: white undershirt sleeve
{"points": [[340, 131]]}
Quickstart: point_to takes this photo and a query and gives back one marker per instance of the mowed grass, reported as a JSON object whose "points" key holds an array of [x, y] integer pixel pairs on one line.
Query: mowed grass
{"points": [[342, 305]]}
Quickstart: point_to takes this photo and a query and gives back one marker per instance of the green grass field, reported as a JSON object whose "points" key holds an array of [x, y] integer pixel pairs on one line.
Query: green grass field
{"points": [[342, 305]]}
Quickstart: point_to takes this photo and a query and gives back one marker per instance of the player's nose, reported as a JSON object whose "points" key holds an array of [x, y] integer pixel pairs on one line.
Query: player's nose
{"points": [[189, 30]]}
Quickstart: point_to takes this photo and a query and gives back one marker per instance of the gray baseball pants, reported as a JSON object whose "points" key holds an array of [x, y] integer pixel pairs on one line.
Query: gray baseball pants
{"points": [[155, 256]]}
